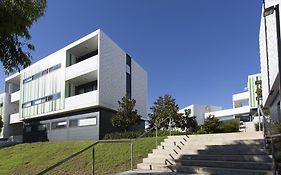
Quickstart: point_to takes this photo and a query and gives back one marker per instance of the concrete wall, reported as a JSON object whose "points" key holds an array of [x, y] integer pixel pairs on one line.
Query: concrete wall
{"points": [[139, 88], [269, 61], [112, 73]]}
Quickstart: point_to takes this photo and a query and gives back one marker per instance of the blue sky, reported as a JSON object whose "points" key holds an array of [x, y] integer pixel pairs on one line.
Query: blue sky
{"points": [[199, 51]]}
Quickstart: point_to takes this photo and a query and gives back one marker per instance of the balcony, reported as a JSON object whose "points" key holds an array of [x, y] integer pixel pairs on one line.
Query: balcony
{"points": [[15, 118], [82, 100], [81, 68], [15, 96]]}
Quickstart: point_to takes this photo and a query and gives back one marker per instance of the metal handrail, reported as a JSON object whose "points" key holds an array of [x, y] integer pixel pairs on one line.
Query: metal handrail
{"points": [[80, 152], [267, 131], [104, 141]]}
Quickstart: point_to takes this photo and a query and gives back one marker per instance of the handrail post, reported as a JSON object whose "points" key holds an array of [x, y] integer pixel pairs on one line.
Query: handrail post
{"points": [[132, 156], [156, 132], [170, 126], [93, 160]]}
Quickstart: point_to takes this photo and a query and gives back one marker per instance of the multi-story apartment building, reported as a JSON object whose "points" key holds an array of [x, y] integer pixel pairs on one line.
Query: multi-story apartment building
{"points": [[72, 93], [245, 104], [270, 56]]}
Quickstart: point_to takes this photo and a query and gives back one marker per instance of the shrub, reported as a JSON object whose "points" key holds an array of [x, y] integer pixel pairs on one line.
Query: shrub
{"points": [[229, 126], [211, 125], [135, 134]]}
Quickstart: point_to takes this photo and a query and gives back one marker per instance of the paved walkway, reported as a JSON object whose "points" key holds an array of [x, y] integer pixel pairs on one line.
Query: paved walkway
{"points": [[152, 172]]}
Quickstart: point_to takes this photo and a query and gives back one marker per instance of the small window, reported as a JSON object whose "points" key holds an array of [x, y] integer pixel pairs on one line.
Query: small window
{"points": [[1, 105], [37, 102], [56, 96], [45, 72], [128, 69], [59, 125], [41, 127], [87, 121], [26, 105], [28, 129], [73, 123], [27, 79], [38, 75]]}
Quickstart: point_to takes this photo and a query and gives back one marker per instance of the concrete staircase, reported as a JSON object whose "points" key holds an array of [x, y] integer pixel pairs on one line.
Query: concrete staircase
{"points": [[222, 154]]}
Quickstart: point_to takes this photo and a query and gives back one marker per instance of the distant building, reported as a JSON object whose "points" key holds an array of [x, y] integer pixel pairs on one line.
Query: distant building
{"points": [[72, 93], [244, 104], [199, 111]]}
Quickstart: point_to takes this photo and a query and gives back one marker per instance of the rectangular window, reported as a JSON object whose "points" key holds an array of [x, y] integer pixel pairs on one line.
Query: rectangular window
{"points": [[87, 121], [84, 88], [41, 100], [128, 76], [41, 127], [59, 125], [1, 105], [40, 74], [73, 123], [86, 56]]}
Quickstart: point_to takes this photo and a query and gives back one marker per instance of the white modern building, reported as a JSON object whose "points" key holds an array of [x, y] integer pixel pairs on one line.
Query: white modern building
{"points": [[244, 104], [72, 93], [199, 111], [269, 42]]}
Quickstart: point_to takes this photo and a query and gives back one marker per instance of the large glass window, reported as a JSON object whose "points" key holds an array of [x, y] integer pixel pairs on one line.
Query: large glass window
{"points": [[84, 88], [83, 122], [42, 73], [41, 100], [59, 125]]}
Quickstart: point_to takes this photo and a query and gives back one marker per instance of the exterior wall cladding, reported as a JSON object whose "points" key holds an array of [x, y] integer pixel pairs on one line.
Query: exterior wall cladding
{"points": [[72, 93], [269, 60]]}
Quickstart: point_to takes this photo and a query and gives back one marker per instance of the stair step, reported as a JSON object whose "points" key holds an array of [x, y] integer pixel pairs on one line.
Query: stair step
{"points": [[204, 170], [213, 151], [215, 142], [211, 163], [250, 158], [188, 147]]}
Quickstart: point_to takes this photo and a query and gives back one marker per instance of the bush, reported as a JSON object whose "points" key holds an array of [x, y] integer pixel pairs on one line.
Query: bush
{"points": [[135, 134], [229, 126], [213, 125]]}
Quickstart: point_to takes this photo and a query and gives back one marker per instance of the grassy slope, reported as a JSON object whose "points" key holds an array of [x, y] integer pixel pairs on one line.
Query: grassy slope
{"points": [[109, 157]]}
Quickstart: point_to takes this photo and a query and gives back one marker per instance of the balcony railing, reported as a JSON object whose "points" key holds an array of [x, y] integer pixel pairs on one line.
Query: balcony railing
{"points": [[82, 67], [15, 118], [15, 96], [82, 100]]}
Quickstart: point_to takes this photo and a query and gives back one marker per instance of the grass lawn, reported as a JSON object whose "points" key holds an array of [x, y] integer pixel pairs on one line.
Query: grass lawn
{"points": [[30, 158]]}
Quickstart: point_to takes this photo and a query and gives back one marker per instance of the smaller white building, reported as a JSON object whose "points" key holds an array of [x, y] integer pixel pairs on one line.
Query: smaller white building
{"points": [[199, 111]]}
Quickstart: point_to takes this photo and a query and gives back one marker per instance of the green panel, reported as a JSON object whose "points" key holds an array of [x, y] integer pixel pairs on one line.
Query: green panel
{"points": [[252, 90]]}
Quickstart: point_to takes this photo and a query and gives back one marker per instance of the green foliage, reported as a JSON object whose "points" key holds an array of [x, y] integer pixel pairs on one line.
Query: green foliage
{"points": [[229, 126], [188, 123], [1, 124], [211, 124], [135, 134], [16, 18], [126, 116], [164, 107]]}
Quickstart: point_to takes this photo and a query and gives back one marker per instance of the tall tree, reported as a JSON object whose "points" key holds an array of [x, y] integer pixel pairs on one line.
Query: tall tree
{"points": [[126, 115], [188, 122], [164, 107], [16, 18]]}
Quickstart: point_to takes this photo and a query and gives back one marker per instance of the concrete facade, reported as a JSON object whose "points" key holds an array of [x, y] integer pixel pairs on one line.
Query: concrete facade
{"points": [[269, 60]]}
